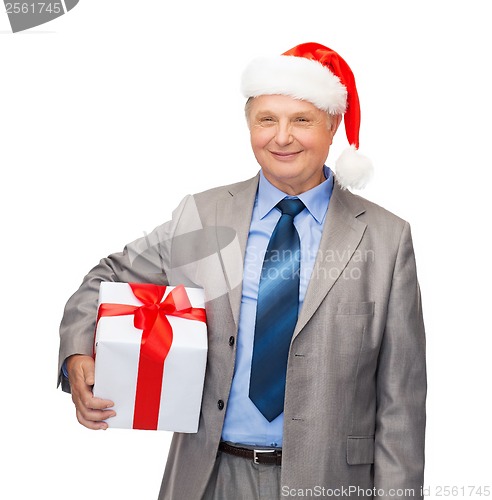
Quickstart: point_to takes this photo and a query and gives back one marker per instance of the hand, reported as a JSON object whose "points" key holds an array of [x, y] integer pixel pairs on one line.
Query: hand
{"points": [[90, 411]]}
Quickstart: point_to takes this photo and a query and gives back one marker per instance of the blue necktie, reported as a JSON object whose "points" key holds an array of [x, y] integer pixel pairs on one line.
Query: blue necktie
{"points": [[276, 313]]}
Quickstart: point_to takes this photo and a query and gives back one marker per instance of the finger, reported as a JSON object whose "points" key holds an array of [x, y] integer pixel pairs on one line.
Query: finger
{"points": [[85, 400], [96, 415], [82, 396], [92, 403], [94, 409], [91, 424]]}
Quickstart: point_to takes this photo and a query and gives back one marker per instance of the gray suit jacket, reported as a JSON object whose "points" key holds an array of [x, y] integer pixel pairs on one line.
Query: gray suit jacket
{"points": [[356, 378]]}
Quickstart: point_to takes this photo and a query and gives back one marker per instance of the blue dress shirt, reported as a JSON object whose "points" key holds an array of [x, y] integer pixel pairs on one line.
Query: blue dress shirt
{"points": [[244, 423]]}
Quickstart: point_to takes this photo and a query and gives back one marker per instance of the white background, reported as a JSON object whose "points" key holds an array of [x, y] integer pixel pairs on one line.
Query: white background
{"points": [[110, 114]]}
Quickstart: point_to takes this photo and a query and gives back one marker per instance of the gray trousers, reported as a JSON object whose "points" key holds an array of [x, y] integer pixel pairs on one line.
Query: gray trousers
{"points": [[236, 478]]}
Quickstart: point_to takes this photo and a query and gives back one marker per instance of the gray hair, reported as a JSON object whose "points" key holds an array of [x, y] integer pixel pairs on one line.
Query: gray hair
{"points": [[247, 108]]}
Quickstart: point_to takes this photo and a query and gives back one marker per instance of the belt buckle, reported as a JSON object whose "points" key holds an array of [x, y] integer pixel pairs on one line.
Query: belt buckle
{"points": [[257, 452]]}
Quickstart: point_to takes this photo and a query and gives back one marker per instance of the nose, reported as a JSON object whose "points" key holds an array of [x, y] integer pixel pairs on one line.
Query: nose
{"points": [[283, 136]]}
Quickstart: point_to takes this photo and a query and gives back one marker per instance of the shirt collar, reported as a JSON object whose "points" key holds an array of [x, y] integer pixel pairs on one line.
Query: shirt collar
{"points": [[316, 199]]}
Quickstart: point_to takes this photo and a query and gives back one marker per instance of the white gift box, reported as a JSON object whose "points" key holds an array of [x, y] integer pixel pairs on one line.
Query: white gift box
{"points": [[117, 354]]}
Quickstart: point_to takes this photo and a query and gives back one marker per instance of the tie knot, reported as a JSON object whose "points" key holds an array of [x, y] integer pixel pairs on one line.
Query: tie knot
{"points": [[292, 206]]}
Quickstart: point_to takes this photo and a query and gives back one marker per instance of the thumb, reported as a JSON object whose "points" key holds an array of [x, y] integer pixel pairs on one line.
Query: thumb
{"points": [[89, 373]]}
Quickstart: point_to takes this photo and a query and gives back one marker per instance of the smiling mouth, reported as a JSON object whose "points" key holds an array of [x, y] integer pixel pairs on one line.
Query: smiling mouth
{"points": [[285, 155]]}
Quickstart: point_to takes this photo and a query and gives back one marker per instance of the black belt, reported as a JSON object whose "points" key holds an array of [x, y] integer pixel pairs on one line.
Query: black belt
{"points": [[264, 456]]}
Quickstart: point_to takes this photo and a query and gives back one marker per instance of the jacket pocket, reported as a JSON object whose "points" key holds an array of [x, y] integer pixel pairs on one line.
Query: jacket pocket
{"points": [[360, 450], [355, 308]]}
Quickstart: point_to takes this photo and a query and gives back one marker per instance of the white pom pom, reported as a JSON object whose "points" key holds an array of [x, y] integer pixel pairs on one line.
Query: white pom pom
{"points": [[353, 170]]}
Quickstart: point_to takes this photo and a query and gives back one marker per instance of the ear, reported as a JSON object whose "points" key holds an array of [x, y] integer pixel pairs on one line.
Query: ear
{"points": [[335, 121]]}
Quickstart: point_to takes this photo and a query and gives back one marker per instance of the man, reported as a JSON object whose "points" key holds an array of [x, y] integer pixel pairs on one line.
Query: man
{"points": [[315, 381]]}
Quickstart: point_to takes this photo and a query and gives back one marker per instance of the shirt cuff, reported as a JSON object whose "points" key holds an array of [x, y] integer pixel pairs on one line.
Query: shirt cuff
{"points": [[64, 369]]}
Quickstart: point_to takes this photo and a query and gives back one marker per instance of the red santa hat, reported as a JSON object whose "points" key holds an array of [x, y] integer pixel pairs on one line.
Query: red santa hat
{"points": [[317, 74]]}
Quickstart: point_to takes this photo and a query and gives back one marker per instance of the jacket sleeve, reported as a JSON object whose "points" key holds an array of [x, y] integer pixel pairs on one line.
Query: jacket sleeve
{"points": [[401, 385], [146, 260]]}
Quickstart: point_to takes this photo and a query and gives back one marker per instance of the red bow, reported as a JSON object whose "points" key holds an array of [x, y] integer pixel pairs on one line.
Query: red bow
{"points": [[157, 337]]}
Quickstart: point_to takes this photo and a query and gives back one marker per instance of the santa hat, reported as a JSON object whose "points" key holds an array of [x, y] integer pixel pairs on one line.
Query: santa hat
{"points": [[317, 74]]}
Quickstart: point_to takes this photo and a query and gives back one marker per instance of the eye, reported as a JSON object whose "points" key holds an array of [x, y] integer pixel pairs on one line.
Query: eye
{"points": [[266, 121], [302, 119]]}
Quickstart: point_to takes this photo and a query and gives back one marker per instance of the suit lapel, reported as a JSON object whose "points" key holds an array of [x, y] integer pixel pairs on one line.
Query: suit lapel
{"points": [[235, 212], [341, 236]]}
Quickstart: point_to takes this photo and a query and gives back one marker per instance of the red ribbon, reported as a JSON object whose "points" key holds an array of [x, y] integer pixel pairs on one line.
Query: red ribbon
{"points": [[157, 337]]}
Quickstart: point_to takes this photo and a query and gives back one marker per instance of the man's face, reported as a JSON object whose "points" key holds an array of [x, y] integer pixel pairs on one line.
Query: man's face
{"points": [[291, 139]]}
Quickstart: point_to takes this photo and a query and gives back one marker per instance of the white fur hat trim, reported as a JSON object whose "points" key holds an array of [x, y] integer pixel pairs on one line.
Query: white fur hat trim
{"points": [[296, 77]]}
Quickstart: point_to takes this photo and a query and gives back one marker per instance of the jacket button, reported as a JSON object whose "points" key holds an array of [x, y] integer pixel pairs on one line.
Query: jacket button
{"points": [[220, 404], [231, 341]]}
